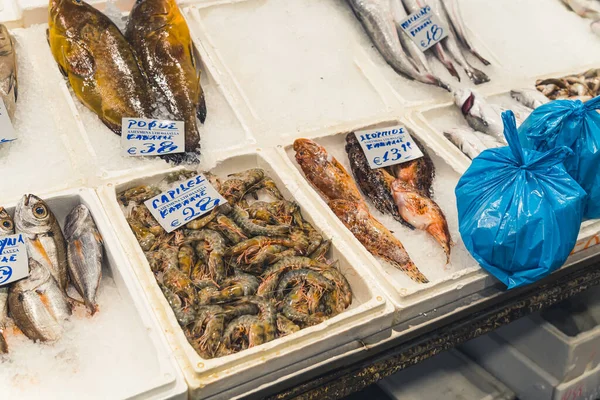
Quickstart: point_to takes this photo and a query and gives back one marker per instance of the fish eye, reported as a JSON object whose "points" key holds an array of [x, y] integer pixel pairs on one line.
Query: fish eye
{"points": [[40, 211], [7, 224]]}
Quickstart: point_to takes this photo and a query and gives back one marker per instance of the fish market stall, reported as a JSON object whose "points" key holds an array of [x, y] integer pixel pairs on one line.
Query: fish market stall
{"points": [[223, 218]]}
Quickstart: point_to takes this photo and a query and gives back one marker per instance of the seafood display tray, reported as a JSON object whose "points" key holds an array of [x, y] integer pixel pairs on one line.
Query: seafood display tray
{"points": [[137, 364], [369, 312], [70, 129], [448, 283]]}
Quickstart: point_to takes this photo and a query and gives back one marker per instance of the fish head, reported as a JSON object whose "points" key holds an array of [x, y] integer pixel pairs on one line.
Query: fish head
{"points": [[309, 152], [69, 17], [38, 274], [464, 98], [6, 43], [154, 13], [77, 219], [33, 215], [7, 226]]}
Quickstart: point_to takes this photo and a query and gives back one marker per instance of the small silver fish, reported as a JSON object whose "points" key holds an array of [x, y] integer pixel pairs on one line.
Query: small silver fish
{"points": [[38, 305], [450, 43], [8, 72], [44, 239], [479, 114], [377, 19], [529, 97], [466, 140], [584, 8], [456, 19], [7, 227], [84, 254]]}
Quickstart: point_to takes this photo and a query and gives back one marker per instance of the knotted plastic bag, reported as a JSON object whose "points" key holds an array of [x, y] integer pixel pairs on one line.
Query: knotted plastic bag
{"points": [[519, 211], [576, 125]]}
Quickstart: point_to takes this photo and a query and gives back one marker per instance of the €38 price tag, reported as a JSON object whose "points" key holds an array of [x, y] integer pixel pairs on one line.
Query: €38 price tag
{"points": [[14, 263], [7, 131], [152, 137], [424, 28], [184, 202], [388, 146]]}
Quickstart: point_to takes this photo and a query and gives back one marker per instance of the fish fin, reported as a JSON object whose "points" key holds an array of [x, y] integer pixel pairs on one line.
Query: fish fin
{"points": [[193, 52], [201, 110], [78, 59], [12, 84]]}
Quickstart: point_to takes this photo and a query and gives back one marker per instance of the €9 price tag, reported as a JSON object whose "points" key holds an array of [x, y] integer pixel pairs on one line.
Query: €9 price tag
{"points": [[7, 131], [14, 263], [184, 202], [152, 137], [388, 146], [424, 28]]}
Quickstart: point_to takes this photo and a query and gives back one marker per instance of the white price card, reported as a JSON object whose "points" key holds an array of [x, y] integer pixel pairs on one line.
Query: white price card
{"points": [[152, 137], [424, 28], [184, 202], [388, 146], [7, 131], [14, 263]]}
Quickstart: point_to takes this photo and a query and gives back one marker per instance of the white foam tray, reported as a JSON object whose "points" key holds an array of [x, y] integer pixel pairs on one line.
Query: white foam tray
{"points": [[157, 369], [460, 278], [368, 314]]}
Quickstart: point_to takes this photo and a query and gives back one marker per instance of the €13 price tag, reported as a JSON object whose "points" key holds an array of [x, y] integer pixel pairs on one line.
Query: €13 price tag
{"points": [[7, 131], [388, 146], [184, 202], [14, 263], [152, 137], [424, 28]]}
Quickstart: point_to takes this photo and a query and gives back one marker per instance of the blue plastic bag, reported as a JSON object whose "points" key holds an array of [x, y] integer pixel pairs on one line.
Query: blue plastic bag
{"points": [[519, 211], [576, 125]]}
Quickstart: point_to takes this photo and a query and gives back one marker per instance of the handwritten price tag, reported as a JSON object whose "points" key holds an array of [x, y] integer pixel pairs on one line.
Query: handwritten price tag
{"points": [[424, 28], [152, 137], [7, 131], [388, 146], [184, 202], [14, 263]]}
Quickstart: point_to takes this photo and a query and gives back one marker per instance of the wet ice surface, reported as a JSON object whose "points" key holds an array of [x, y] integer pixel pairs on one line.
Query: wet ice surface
{"points": [[99, 357], [39, 157], [299, 74], [425, 252], [535, 37]]}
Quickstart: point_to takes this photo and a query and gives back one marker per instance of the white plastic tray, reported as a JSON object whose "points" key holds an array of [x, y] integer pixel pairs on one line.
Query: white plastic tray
{"points": [[461, 277], [368, 314], [127, 351]]}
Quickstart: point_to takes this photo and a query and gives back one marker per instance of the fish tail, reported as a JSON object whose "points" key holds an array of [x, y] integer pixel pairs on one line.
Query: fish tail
{"points": [[478, 77], [479, 57], [92, 307], [441, 55], [411, 270], [439, 231]]}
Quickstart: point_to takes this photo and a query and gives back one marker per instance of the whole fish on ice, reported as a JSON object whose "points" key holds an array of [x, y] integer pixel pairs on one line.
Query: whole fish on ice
{"points": [[416, 55], [378, 20], [8, 72], [479, 114], [453, 11], [38, 305], [529, 97], [84, 254], [98, 62], [161, 40], [466, 141], [43, 236]]}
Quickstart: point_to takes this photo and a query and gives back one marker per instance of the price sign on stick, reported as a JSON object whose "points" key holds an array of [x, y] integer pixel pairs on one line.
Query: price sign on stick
{"points": [[388, 146], [152, 137]]}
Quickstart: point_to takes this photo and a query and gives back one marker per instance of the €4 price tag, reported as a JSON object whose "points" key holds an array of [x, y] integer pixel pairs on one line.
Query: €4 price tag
{"points": [[388, 146], [184, 202], [424, 28], [14, 263], [7, 131], [152, 137]]}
